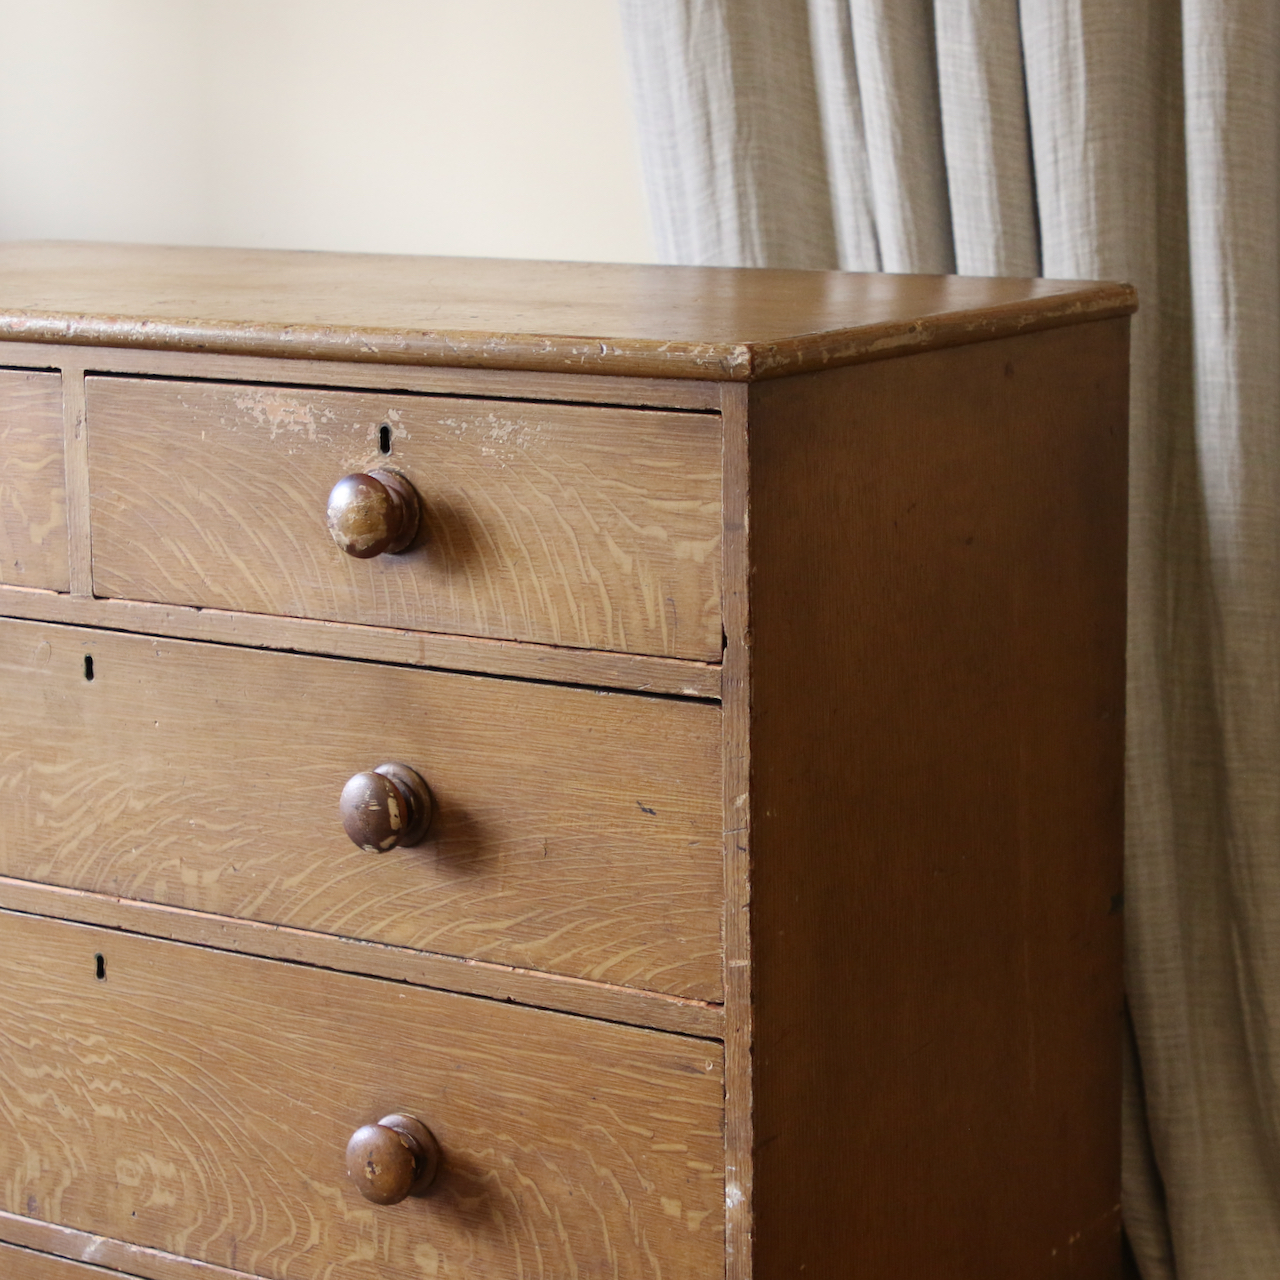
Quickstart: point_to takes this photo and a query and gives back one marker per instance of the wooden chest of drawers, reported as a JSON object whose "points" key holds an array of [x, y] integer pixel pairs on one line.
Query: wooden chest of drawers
{"points": [[757, 656]]}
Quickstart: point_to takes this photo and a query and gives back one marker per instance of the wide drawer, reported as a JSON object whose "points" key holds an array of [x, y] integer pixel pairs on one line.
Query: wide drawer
{"points": [[562, 524], [200, 1103], [26, 1264], [33, 497], [575, 832]]}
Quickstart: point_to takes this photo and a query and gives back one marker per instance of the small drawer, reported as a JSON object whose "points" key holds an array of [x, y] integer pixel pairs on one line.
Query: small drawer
{"points": [[33, 496], [201, 1103], [570, 525], [574, 832]]}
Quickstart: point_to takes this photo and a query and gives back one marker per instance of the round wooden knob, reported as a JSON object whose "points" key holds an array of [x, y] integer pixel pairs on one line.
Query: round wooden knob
{"points": [[370, 514], [395, 1158], [387, 808]]}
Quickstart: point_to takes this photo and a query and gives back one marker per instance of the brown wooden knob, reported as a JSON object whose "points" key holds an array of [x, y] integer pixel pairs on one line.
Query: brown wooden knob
{"points": [[387, 808], [370, 514], [395, 1158]]}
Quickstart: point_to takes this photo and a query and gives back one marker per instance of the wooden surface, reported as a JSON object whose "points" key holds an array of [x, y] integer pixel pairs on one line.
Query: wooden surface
{"points": [[375, 512], [116, 1256], [937, 736], [378, 960], [33, 496], [76, 454], [23, 1264], [566, 525], [575, 832], [553, 663], [386, 807], [674, 322], [738, 1031], [893, 855], [200, 1103], [394, 1159], [501, 384]]}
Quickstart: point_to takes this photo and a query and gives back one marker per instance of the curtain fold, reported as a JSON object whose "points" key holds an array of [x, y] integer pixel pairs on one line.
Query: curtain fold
{"points": [[731, 140], [844, 133], [893, 51], [1075, 139], [987, 138]]}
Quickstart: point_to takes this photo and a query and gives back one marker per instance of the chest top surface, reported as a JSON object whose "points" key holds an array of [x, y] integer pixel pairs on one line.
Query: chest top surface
{"points": [[716, 323]]}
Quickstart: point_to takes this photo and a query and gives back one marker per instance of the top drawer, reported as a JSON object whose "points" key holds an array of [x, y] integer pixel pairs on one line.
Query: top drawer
{"points": [[561, 524]]}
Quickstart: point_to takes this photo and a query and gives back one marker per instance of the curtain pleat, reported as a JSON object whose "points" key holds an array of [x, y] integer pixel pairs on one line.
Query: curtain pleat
{"points": [[1214, 1092], [848, 166], [733, 154], [1077, 139], [986, 138], [897, 77]]}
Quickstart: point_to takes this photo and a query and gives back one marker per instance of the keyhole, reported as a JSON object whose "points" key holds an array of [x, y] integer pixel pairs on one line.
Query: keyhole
{"points": [[384, 439], [100, 963], [88, 666]]}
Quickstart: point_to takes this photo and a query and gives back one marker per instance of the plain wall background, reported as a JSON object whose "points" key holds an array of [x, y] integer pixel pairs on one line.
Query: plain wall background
{"points": [[487, 127]]}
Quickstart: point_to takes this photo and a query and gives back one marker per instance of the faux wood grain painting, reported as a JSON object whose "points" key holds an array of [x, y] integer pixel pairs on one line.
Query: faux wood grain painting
{"points": [[550, 771], [561, 524]]}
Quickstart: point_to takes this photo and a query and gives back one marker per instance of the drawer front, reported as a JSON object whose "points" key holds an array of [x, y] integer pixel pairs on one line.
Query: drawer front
{"points": [[26, 1264], [567, 525], [200, 1103], [33, 498], [575, 832]]}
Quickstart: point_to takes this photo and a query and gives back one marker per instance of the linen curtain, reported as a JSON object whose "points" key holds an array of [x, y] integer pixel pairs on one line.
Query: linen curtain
{"points": [[1076, 139]]}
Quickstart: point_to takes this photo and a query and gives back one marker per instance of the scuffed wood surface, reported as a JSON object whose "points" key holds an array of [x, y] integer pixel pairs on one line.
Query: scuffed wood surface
{"points": [[113, 1257], [22, 1264], [563, 317], [76, 454], [507, 384], [738, 1028], [568, 525], [374, 959], [640, 672], [33, 496], [200, 1103], [576, 832]]}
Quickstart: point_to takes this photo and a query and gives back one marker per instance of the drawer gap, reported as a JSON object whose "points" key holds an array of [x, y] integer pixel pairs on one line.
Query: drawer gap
{"points": [[658, 404]]}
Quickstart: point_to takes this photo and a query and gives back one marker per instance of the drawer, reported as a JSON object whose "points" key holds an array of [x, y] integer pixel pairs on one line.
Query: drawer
{"points": [[575, 832], [33, 498], [200, 1103], [561, 524], [26, 1264]]}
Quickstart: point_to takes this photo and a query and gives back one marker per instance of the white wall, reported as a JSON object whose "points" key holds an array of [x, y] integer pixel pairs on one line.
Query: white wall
{"points": [[490, 127]]}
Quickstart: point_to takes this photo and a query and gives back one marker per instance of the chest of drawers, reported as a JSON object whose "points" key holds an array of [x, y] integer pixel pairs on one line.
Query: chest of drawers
{"points": [[752, 671]]}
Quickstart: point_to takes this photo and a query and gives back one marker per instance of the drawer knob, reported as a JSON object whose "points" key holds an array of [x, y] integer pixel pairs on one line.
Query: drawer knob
{"points": [[370, 514], [395, 1158], [387, 808]]}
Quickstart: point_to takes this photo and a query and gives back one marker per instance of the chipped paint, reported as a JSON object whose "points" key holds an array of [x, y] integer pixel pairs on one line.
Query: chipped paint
{"points": [[279, 413], [959, 319]]}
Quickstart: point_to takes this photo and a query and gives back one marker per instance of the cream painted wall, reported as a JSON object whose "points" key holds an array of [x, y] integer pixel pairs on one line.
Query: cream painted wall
{"points": [[490, 127]]}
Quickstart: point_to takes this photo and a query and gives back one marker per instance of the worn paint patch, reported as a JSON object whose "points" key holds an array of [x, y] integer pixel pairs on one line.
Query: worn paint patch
{"points": [[267, 407]]}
